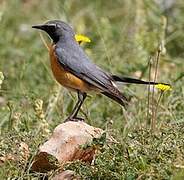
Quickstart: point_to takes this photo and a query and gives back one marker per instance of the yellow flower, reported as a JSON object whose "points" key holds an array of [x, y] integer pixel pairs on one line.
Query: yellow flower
{"points": [[81, 38], [163, 87]]}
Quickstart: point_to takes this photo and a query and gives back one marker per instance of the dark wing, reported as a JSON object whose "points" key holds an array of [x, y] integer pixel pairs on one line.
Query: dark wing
{"points": [[72, 58]]}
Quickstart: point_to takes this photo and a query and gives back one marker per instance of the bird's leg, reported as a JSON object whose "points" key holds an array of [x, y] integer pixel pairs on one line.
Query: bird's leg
{"points": [[73, 115]]}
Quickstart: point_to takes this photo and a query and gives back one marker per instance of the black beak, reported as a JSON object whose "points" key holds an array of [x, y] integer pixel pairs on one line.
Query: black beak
{"points": [[44, 27]]}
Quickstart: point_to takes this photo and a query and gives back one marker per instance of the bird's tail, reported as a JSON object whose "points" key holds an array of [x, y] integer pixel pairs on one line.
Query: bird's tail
{"points": [[134, 81], [121, 99]]}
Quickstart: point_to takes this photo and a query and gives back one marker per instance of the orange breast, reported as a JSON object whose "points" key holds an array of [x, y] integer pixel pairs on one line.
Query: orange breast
{"points": [[64, 77]]}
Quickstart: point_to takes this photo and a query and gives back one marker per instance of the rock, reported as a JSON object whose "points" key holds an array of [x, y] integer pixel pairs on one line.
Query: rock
{"points": [[65, 145]]}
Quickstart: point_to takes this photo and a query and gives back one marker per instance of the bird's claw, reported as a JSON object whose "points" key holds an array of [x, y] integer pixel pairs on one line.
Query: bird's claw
{"points": [[74, 119]]}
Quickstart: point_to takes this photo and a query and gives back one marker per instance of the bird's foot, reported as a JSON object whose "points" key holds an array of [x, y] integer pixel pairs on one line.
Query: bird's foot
{"points": [[74, 119]]}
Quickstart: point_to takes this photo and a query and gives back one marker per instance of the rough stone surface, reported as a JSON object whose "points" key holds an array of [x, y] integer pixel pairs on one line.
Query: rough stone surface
{"points": [[65, 145]]}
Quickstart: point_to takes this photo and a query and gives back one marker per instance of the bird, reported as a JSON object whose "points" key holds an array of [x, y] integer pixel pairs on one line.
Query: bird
{"points": [[74, 70]]}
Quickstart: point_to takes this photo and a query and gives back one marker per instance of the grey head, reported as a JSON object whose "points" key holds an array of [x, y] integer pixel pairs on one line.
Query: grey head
{"points": [[57, 30]]}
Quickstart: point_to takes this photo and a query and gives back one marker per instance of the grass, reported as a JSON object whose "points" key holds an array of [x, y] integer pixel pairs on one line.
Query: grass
{"points": [[124, 36]]}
